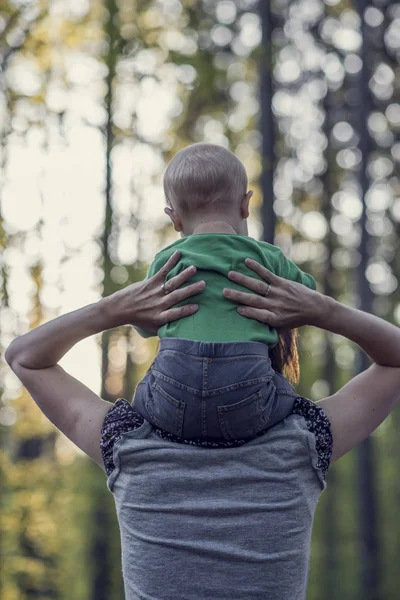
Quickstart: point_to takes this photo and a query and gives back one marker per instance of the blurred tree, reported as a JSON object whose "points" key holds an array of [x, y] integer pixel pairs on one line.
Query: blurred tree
{"points": [[103, 513], [330, 531], [267, 123], [35, 563], [370, 547], [16, 26], [35, 503]]}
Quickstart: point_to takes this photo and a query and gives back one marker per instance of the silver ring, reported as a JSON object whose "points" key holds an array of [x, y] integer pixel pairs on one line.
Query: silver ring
{"points": [[163, 288], [268, 290]]}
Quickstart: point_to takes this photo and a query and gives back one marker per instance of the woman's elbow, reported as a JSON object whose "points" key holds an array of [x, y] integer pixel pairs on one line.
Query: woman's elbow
{"points": [[12, 354]]}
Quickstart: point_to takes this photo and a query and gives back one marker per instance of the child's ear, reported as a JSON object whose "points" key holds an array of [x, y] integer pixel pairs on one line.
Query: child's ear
{"points": [[176, 222], [245, 204]]}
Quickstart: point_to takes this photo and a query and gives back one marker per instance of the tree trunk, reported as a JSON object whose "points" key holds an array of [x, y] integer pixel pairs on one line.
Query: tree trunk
{"points": [[330, 577], [103, 524], [267, 125], [370, 563]]}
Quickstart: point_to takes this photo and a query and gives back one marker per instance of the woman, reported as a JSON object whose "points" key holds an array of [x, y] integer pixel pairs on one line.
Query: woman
{"points": [[215, 523]]}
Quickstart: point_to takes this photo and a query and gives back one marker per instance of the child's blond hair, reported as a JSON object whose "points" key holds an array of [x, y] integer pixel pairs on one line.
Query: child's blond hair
{"points": [[205, 178]]}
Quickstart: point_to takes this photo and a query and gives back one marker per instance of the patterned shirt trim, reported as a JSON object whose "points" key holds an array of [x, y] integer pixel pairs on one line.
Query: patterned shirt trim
{"points": [[122, 418], [318, 424]]}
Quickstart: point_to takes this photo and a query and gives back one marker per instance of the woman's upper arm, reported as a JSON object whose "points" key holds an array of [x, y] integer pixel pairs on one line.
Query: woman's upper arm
{"points": [[358, 408], [72, 407]]}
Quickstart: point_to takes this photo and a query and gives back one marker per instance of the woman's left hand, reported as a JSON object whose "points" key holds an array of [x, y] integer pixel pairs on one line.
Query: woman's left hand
{"points": [[149, 304]]}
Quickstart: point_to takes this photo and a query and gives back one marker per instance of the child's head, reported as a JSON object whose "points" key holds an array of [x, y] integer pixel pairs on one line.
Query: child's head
{"points": [[205, 183]]}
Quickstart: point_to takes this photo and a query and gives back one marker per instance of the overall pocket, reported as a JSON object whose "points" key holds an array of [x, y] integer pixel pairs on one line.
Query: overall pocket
{"points": [[165, 411], [246, 418]]}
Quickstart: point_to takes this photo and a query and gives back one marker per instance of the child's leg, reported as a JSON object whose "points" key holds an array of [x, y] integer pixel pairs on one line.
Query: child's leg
{"points": [[285, 396], [169, 394], [257, 404], [158, 407], [213, 391]]}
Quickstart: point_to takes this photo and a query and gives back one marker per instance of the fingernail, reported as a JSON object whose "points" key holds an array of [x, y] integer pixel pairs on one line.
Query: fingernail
{"points": [[192, 269], [241, 311]]}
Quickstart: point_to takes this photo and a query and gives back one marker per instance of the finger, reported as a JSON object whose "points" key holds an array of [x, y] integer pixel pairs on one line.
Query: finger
{"points": [[175, 282], [173, 314], [183, 293], [262, 271], [169, 265], [264, 316], [260, 287], [244, 298]]}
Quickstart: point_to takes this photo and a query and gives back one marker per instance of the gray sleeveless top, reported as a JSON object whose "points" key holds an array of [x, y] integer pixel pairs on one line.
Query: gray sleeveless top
{"points": [[227, 523]]}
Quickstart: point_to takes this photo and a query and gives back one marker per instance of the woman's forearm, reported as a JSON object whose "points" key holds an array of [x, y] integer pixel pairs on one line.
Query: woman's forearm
{"points": [[46, 345], [378, 338], [291, 305], [145, 304]]}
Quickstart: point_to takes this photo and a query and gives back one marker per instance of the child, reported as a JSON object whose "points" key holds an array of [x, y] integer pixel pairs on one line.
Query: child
{"points": [[212, 379]]}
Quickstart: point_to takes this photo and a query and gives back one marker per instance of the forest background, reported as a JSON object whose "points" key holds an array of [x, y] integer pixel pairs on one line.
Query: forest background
{"points": [[96, 96]]}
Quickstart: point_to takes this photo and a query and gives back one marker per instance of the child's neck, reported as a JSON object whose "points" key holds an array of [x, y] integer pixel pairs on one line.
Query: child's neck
{"points": [[213, 227]]}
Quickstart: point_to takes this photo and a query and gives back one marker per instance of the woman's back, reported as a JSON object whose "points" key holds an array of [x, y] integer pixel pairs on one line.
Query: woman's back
{"points": [[223, 523]]}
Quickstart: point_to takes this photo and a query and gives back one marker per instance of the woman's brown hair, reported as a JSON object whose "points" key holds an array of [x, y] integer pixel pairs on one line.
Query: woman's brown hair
{"points": [[285, 356]]}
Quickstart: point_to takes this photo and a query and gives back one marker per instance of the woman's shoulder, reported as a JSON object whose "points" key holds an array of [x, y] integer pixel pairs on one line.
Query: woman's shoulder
{"points": [[302, 439]]}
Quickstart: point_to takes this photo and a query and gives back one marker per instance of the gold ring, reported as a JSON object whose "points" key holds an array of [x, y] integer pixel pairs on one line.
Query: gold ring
{"points": [[268, 290]]}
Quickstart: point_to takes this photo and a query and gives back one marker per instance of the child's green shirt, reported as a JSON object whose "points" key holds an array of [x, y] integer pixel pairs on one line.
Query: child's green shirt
{"points": [[214, 255]]}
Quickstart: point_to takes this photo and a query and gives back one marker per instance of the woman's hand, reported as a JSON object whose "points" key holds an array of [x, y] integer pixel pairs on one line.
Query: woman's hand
{"points": [[287, 305], [145, 304], [149, 304]]}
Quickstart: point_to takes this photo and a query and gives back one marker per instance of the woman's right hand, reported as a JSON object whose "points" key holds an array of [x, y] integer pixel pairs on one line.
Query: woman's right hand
{"points": [[288, 304]]}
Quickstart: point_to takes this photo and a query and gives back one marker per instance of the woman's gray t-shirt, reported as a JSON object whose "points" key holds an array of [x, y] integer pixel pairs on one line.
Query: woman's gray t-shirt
{"points": [[221, 523]]}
